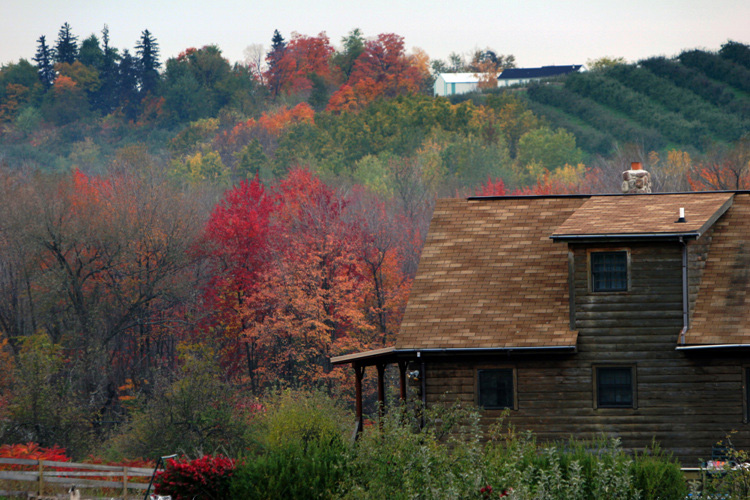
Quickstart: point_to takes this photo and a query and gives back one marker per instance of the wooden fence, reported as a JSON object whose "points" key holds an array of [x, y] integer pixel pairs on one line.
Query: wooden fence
{"points": [[66, 474]]}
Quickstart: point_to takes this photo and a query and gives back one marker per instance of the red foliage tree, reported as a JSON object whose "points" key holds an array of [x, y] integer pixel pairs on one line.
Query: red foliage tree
{"points": [[303, 273], [302, 57]]}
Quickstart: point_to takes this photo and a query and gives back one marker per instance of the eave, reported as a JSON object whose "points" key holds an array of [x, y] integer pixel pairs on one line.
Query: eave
{"points": [[393, 354]]}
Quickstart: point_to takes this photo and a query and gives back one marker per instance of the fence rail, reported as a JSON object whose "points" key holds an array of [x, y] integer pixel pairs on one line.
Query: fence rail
{"points": [[59, 474]]}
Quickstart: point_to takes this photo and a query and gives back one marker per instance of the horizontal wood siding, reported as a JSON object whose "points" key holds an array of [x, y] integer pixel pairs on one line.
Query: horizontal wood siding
{"points": [[686, 401]]}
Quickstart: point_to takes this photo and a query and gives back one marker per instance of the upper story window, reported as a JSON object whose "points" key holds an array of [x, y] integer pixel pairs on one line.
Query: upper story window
{"points": [[609, 271]]}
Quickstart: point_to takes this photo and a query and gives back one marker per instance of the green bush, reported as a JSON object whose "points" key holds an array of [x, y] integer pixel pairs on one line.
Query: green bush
{"points": [[657, 476], [298, 448], [399, 459]]}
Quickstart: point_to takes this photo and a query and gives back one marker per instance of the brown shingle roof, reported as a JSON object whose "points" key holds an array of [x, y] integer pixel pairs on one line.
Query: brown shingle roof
{"points": [[645, 214], [490, 277], [722, 308]]}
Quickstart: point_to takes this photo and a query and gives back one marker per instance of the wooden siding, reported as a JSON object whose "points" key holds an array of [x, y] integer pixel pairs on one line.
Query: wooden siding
{"points": [[686, 401]]}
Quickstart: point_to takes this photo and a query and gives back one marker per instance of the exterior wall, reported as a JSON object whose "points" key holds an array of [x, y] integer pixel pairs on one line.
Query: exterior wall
{"points": [[443, 88], [685, 400]]}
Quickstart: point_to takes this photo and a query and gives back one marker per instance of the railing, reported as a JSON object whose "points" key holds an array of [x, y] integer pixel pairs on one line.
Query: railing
{"points": [[50, 473]]}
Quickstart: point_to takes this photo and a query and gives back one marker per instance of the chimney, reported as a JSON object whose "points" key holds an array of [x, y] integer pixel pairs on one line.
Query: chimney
{"points": [[636, 180]]}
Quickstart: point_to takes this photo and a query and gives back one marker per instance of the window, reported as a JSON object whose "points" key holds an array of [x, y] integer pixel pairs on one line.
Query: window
{"points": [[615, 386], [496, 388], [609, 271]]}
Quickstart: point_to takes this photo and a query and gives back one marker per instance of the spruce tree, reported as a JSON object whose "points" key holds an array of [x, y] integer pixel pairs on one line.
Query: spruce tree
{"points": [[127, 88], [91, 53], [147, 51], [107, 98], [43, 60], [66, 48], [278, 47]]}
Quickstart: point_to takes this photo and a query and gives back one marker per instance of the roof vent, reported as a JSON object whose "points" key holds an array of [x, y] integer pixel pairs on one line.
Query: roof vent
{"points": [[682, 215], [636, 180]]}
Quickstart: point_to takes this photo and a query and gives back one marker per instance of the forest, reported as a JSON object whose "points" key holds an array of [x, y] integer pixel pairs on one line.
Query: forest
{"points": [[180, 238]]}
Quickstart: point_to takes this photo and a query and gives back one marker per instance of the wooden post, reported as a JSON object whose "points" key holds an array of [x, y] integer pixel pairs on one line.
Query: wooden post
{"points": [[124, 482], [40, 487], [359, 373], [381, 394], [402, 365], [381, 389]]}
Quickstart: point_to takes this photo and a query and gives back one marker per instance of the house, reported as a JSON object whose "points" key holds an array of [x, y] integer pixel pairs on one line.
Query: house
{"points": [[447, 84], [627, 315], [515, 76]]}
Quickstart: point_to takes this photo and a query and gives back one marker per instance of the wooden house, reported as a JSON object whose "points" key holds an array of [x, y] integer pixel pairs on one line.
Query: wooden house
{"points": [[586, 314]]}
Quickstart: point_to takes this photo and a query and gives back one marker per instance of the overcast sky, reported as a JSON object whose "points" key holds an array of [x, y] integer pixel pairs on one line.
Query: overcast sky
{"points": [[536, 32]]}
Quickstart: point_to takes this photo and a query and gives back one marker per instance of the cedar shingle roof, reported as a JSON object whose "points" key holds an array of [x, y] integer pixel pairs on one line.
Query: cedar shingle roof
{"points": [[633, 215], [491, 277], [722, 308]]}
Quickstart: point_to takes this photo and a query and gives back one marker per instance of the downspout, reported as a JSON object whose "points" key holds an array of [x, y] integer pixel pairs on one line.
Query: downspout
{"points": [[685, 294]]}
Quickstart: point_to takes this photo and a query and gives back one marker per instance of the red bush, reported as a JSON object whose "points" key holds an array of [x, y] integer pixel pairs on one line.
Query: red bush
{"points": [[31, 451], [206, 477]]}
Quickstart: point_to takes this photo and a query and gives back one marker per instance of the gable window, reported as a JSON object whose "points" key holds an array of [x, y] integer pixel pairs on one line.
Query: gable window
{"points": [[609, 271], [496, 388], [615, 386]]}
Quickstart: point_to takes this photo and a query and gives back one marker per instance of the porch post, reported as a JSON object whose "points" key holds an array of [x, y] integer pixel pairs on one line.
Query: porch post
{"points": [[359, 373], [381, 389], [402, 365]]}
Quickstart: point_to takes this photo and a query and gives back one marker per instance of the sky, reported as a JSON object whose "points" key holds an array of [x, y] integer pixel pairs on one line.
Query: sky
{"points": [[537, 33]]}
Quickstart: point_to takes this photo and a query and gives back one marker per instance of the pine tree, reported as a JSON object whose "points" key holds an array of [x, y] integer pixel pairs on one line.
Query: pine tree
{"points": [[43, 60], [91, 53], [127, 88], [66, 48], [278, 47], [107, 98], [147, 51]]}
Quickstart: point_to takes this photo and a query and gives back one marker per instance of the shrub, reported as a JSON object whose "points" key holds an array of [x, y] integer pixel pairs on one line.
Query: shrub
{"points": [[299, 449], [205, 477], [657, 475], [398, 459]]}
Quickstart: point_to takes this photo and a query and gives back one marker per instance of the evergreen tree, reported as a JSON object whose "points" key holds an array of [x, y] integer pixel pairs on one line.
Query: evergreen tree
{"points": [[278, 47], [107, 99], [43, 60], [127, 87], [147, 51], [91, 53], [66, 48], [353, 46]]}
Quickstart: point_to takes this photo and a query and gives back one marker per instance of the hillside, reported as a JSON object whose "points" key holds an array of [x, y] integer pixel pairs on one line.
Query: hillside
{"points": [[692, 102]]}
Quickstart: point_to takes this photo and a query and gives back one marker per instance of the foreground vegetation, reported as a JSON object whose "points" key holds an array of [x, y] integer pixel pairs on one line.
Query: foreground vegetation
{"points": [[297, 445]]}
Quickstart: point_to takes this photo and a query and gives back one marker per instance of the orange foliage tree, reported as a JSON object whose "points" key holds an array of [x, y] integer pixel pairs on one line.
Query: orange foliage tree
{"points": [[381, 70]]}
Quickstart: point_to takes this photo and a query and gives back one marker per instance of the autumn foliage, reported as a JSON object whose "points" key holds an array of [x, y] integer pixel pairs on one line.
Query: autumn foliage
{"points": [[31, 451], [300, 274], [205, 477]]}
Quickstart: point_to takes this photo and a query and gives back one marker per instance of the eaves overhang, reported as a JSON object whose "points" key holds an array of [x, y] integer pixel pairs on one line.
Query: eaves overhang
{"points": [[627, 237], [393, 354], [712, 347]]}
